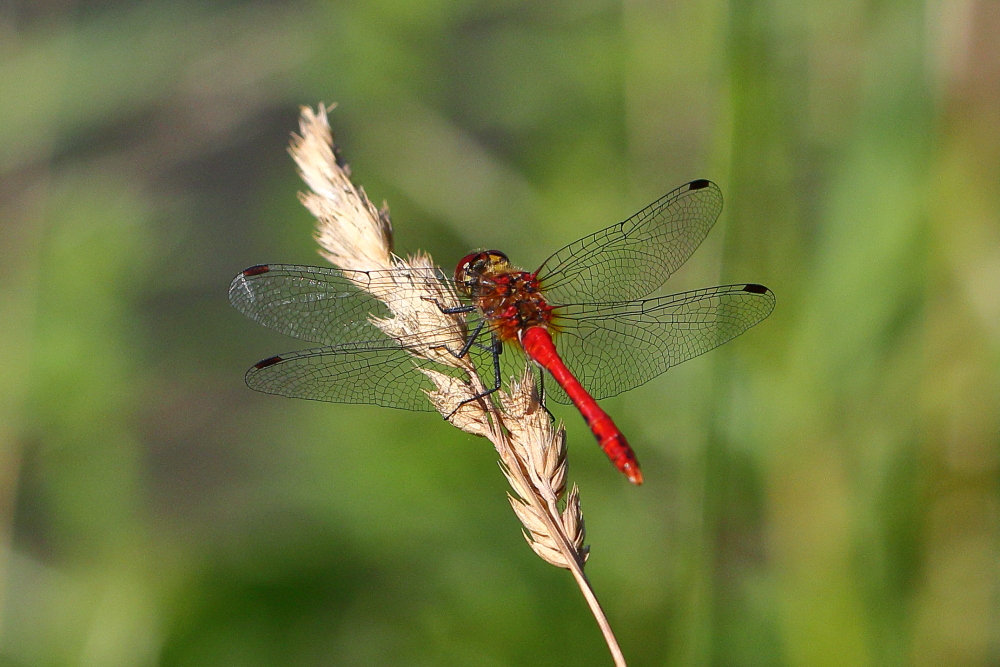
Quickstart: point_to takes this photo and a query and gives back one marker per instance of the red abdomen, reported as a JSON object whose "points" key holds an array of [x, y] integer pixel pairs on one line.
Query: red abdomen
{"points": [[537, 343]]}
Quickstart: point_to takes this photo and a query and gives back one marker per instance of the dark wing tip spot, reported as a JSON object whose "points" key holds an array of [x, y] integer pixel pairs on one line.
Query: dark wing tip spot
{"points": [[256, 270], [754, 288], [267, 362], [699, 184]]}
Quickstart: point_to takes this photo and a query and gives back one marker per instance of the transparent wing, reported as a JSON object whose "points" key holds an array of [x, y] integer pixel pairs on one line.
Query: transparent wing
{"points": [[630, 260], [320, 305], [612, 348], [360, 363], [379, 372], [365, 373]]}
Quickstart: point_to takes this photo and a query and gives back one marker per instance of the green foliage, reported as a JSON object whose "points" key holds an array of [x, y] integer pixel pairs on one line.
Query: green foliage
{"points": [[822, 491]]}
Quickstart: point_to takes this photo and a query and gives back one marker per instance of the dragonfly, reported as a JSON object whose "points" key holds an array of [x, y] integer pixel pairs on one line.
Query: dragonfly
{"points": [[585, 316]]}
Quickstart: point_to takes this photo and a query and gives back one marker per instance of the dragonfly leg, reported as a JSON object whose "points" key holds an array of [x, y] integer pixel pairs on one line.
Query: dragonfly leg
{"points": [[472, 338], [449, 311], [497, 347], [468, 343], [541, 393]]}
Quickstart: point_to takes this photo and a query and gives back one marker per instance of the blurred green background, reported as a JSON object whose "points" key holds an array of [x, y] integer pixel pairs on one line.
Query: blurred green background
{"points": [[821, 491]]}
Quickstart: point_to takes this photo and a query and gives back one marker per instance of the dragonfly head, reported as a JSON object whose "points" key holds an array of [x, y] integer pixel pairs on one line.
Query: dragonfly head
{"points": [[474, 267]]}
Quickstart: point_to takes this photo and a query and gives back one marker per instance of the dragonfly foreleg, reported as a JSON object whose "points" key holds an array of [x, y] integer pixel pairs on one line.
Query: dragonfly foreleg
{"points": [[453, 310]]}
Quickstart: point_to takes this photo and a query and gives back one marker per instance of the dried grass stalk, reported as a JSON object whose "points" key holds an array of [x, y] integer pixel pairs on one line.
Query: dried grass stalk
{"points": [[353, 234]]}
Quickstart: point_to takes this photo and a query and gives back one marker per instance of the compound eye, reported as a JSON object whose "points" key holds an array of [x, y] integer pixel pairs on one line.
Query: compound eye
{"points": [[463, 264], [467, 267], [497, 257]]}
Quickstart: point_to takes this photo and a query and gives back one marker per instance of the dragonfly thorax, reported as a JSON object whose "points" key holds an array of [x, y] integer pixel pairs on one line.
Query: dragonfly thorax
{"points": [[510, 299]]}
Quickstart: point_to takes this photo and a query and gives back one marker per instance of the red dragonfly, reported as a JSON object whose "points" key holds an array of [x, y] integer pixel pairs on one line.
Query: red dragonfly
{"points": [[591, 295]]}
